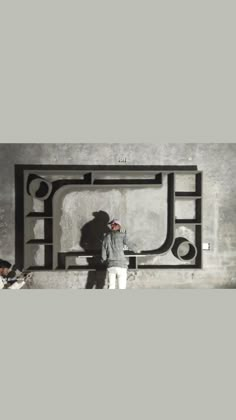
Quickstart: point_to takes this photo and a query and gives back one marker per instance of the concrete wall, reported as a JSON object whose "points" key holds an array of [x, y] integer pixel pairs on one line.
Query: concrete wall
{"points": [[217, 161]]}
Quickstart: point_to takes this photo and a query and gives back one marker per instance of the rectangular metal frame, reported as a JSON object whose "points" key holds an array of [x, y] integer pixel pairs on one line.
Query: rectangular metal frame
{"points": [[89, 178]]}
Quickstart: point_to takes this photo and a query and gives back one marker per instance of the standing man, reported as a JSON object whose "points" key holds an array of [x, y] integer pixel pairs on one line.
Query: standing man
{"points": [[113, 254]]}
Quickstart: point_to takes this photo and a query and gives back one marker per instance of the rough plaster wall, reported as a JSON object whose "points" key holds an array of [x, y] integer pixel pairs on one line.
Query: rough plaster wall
{"points": [[121, 204], [219, 204]]}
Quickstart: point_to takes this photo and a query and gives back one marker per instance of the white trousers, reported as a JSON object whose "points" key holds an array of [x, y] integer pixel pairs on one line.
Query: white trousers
{"points": [[119, 274]]}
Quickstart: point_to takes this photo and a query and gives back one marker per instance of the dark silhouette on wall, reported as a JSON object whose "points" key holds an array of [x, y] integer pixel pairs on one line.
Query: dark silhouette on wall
{"points": [[92, 234]]}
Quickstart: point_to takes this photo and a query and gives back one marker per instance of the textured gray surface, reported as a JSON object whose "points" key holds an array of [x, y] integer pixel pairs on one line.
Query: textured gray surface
{"points": [[124, 204], [219, 205]]}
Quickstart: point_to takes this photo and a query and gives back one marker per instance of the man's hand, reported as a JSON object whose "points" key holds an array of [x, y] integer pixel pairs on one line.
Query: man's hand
{"points": [[136, 250]]}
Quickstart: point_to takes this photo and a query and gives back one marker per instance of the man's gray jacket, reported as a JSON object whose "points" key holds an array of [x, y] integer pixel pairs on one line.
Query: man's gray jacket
{"points": [[113, 249]]}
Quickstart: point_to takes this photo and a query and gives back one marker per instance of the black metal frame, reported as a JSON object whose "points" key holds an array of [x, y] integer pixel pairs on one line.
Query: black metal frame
{"points": [[26, 175]]}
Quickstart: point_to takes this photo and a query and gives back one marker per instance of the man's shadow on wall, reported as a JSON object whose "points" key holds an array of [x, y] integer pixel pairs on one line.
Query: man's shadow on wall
{"points": [[92, 234]]}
